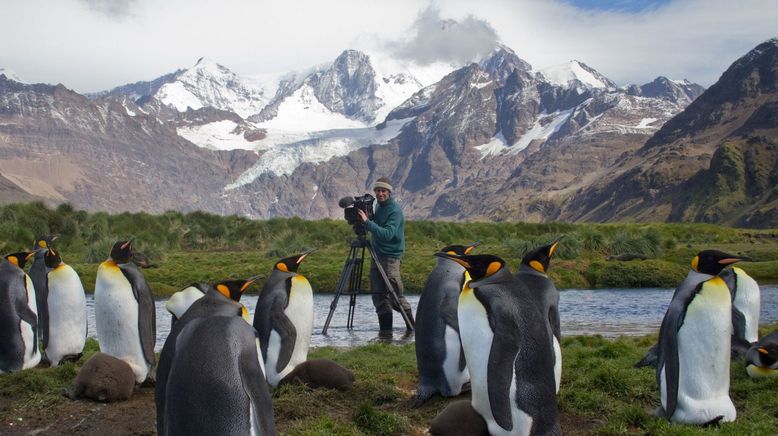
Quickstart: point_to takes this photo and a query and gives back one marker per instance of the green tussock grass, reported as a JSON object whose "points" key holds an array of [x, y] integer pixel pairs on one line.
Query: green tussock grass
{"points": [[197, 246]]}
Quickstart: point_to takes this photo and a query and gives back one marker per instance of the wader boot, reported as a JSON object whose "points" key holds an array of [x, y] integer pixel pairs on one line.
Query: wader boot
{"points": [[385, 324]]}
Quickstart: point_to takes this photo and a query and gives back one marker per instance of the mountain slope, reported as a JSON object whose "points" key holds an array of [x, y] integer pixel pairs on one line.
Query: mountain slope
{"points": [[713, 162]]}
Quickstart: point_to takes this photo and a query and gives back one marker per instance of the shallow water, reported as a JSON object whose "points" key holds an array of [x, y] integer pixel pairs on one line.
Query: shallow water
{"points": [[606, 312]]}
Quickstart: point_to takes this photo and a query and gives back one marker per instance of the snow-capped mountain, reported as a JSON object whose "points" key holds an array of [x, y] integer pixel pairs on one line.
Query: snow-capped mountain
{"points": [[576, 74]]}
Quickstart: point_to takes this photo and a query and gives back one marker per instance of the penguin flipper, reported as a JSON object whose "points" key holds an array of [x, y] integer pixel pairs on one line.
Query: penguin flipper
{"points": [[255, 386], [738, 324], [502, 359], [668, 344], [288, 333], [147, 318], [28, 316]]}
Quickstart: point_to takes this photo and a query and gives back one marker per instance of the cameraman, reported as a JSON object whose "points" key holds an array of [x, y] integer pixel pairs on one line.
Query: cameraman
{"points": [[388, 242]]}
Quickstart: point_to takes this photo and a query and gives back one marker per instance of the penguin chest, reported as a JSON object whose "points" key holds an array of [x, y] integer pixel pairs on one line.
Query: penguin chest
{"points": [[67, 313], [182, 300], [704, 353], [31, 355], [299, 310], [477, 336], [116, 313]]}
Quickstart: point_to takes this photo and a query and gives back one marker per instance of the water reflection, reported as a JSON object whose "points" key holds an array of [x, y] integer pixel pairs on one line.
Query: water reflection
{"points": [[606, 312]]}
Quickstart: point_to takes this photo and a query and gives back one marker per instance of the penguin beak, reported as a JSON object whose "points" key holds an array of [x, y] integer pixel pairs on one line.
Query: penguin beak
{"points": [[128, 243], [734, 259], [250, 281], [305, 253], [471, 246], [29, 255], [455, 258], [554, 245]]}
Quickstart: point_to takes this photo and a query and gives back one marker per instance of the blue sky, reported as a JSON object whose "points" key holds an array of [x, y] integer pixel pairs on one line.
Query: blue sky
{"points": [[619, 5], [92, 45]]}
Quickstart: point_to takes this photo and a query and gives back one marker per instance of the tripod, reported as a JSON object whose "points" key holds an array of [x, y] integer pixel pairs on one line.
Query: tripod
{"points": [[350, 282]]}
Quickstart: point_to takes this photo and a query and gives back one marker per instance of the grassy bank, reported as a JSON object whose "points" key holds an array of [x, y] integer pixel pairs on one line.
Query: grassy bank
{"points": [[203, 247], [601, 393]]}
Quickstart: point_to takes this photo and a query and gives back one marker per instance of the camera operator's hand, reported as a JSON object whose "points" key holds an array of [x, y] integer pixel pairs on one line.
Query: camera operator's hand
{"points": [[362, 215]]}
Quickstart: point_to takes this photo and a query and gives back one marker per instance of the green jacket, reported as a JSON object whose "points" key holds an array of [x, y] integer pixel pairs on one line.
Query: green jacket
{"points": [[388, 229]]}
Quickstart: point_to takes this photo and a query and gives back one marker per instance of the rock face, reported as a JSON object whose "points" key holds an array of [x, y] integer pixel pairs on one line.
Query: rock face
{"points": [[494, 140], [105, 155], [714, 162]]}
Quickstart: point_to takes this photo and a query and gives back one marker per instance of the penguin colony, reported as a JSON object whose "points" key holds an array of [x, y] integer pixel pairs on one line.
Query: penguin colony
{"points": [[479, 328]]}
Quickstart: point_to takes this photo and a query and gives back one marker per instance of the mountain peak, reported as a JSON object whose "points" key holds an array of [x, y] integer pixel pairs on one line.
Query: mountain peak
{"points": [[575, 74], [502, 61], [10, 75]]}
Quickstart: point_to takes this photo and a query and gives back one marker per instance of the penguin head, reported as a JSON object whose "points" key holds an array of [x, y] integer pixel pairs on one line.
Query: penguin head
{"points": [[20, 258], [713, 261], [291, 263], [540, 258], [459, 250], [479, 266], [122, 251], [763, 356], [52, 258], [234, 289], [43, 242]]}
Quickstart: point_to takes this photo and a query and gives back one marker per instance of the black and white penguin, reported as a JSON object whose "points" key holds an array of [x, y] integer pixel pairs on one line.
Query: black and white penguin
{"points": [[125, 316], [439, 357], [39, 275], [746, 302], [67, 311], [762, 357], [284, 318], [533, 272], [694, 345], [210, 361], [18, 317], [179, 302], [507, 348]]}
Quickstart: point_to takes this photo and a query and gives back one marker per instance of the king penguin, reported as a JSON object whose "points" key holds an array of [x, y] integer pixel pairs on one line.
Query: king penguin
{"points": [[746, 301], [67, 311], [439, 357], [533, 273], [284, 318], [210, 361], [507, 349], [39, 276], [179, 302], [125, 316], [762, 357], [18, 317], [694, 345]]}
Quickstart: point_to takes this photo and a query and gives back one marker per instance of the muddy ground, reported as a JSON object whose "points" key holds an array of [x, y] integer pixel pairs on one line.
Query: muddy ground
{"points": [[137, 417]]}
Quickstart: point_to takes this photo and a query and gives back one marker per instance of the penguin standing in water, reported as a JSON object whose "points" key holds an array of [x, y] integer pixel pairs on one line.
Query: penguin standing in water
{"points": [[67, 311], [210, 361], [439, 357], [284, 318], [507, 348], [533, 273], [179, 302], [125, 317], [762, 357], [694, 345], [39, 276], [746, 302], [18, 317]]}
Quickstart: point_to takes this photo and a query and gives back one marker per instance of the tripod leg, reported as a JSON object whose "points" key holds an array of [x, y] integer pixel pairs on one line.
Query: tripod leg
{"points": [[345, 278], [409, 324]]}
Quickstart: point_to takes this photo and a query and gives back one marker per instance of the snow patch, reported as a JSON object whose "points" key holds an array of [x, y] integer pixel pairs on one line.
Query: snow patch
{"points": [[302, 112], [283, 157], [494, 147], [645, 123], [10, 75], [564, 74], [219, 135], [544, 127]]}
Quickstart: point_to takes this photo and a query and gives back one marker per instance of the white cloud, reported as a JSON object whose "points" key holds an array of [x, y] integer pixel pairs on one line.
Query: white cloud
{"points": [[72, 41]]}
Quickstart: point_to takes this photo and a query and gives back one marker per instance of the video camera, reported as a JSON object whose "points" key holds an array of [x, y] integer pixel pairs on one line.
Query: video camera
{"points": [[351, 206]]}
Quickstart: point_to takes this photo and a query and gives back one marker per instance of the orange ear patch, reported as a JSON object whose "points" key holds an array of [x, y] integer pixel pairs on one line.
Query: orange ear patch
{"points": [[492, 268], [282, 267], [224, 290], [537, 266], [695, 262]]}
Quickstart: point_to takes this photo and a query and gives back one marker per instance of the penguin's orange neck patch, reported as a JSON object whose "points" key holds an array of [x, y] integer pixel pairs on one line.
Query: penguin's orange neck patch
{"points": [[224, 290], [282, 267], [492, 268], [13, 260]]}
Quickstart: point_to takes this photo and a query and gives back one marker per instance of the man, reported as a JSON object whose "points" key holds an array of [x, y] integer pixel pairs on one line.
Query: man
{"points": [[388, 243]]}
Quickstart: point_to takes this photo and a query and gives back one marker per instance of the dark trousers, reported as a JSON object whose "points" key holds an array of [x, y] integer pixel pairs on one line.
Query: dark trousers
{"points": [[382, 299]]}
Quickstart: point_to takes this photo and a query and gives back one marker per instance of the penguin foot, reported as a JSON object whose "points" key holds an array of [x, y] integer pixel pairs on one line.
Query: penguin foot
{"points": [[715, 422], [71, 358], [422, 396], [660, 412]]}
